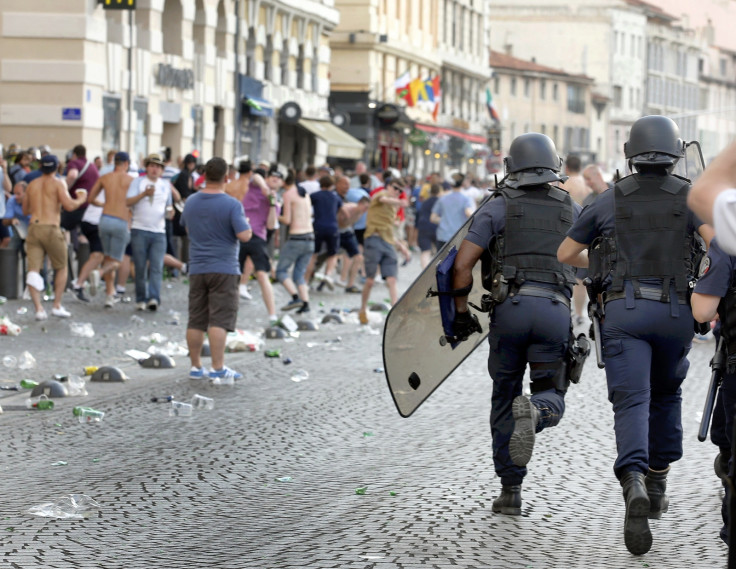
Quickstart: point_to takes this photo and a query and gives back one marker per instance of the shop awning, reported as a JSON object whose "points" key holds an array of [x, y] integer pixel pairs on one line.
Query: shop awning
{"points": [[477, 138], [339, 143], [257, 107]]}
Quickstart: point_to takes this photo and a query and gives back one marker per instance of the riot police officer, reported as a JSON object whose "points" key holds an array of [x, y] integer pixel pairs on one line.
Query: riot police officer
{"points": [[516, 234], [644, 231], [715, 294]]}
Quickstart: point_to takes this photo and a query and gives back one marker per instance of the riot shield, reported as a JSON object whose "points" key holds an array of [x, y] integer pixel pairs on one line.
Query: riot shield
{"points": [[691, 165]]}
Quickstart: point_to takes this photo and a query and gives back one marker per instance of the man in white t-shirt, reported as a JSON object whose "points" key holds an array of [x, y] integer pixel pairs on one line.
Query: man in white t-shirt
{"points": [[149, 198], [311, 184], [713, 197]]}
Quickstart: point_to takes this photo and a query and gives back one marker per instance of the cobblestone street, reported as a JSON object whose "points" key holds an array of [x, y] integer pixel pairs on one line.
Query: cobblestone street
{"points": [[180, 492]]}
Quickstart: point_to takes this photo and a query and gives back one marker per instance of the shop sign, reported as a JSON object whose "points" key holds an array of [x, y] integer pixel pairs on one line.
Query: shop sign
{"points": [[169, 76]]}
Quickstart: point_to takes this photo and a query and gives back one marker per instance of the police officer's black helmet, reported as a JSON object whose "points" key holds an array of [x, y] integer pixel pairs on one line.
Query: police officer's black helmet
{"points": [[532, 160], [654, 140]]}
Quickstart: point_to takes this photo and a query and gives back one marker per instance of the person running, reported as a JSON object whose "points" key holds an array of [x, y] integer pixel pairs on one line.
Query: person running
{"points": [[42, 202]]}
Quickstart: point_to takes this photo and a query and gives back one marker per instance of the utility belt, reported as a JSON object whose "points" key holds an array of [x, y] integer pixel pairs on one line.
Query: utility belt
{"points": [[302, 237], [542, 292], [647, 293]]}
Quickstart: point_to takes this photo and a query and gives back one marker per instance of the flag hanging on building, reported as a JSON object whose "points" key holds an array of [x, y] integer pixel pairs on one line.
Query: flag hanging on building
{"points": [[437, 91], [401, 85], [491, 108]]}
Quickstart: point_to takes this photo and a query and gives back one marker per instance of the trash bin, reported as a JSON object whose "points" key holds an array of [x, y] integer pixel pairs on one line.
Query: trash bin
{"points": [[9, 272]]}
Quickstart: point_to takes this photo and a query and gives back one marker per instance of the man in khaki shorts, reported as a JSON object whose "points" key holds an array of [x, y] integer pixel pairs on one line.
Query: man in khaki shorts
{"points": [[41, 201]]}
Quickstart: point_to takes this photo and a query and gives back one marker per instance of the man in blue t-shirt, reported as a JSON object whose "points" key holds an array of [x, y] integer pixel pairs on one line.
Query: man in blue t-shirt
{"points": [[215, 223], [451, 211], [325, 205]]}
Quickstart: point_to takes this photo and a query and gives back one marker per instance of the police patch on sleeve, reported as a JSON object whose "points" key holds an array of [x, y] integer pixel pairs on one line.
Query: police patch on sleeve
{"points": [[704, 266]]}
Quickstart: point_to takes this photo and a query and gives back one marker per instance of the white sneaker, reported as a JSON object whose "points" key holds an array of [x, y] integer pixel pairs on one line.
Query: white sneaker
{"points": [[111, 300], [94, 282], [61, 312], [140, 306], [41, 315], [244, 292]]}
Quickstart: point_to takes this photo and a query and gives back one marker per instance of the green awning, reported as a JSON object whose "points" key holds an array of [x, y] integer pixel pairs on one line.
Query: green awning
{"points": [[339, 143]]}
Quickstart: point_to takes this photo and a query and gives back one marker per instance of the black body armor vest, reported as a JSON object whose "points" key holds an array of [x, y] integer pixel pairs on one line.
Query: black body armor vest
{"points": [[537, 220], [652, 239]]}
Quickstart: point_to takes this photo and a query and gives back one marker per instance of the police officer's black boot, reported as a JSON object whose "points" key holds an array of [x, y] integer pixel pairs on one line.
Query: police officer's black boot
{"points": [[509, 502], [637, 537], [526, 417], [721, 464], [656, 483]]}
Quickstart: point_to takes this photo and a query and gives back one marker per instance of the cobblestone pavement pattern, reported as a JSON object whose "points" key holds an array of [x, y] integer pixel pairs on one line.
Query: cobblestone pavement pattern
{"points": [[202, 491]]}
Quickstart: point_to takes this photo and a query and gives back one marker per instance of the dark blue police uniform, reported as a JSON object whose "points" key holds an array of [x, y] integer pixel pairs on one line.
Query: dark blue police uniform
{"points": [[645, 347], [718, 280], [529, 328]]}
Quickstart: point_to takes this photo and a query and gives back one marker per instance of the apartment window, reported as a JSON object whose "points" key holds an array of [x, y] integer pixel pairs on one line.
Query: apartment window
{"points": [[542, 89], [512, 131], [723, 67], [575, 99], [555, 135], [268, 59], [543, 129], [513, 85], [527, 87], [496, 85], [526, 128], [555, 93], [300, 68], [617, 96], [632, 51]]}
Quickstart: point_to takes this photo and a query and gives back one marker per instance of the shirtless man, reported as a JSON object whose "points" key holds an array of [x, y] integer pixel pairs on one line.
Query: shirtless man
{"points": [[114, 232], [578, 190], [41, 201], [594, 180], [298, 249]]}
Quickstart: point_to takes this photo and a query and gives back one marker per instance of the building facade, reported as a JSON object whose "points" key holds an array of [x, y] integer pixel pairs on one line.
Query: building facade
{"points": [[531, 97], [203, 76], [439, 45]]}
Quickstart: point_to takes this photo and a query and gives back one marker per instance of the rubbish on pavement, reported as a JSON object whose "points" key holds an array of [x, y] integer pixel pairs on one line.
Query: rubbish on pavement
{"points": [[367, 434], [174, 318], [137, 355], [40, 403], [299, 375], [169, 348], [180, 409], [10, 361], [273, 353], [307, 326], [287, 323], [76, 386], [284, 479], [243, 341], [89, 370], [109, 373], [88, 415], [167, 399], [154, 338], [286, 361], [59, 463], [26, 361], [28, 384], [7, 328], [361, 491], [74, 506], [22, 310], [137, 320], [82, 329], [380, 307], [158, 361], [50, 388], [202, 402], [378, 370]]}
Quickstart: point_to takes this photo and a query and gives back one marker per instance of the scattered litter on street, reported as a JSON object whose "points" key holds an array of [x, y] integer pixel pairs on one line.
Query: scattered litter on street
{"points": [[59, 463], [361, 491], [26, 361], [243, 341], [74, 506], [81, 329], [300, 375], [284, 479], [7, 328]]}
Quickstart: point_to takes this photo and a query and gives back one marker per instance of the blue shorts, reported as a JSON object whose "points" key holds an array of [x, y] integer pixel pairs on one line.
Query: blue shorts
{"points": [[330, 240], [349, 242], [377, 252], [114, 235]]}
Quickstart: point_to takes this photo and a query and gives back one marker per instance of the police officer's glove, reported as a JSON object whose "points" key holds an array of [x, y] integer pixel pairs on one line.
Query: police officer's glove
{"points": [[464, 325]]}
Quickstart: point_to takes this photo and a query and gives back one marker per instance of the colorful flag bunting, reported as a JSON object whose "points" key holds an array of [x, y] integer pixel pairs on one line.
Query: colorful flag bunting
{"points": [[491, 108]]}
